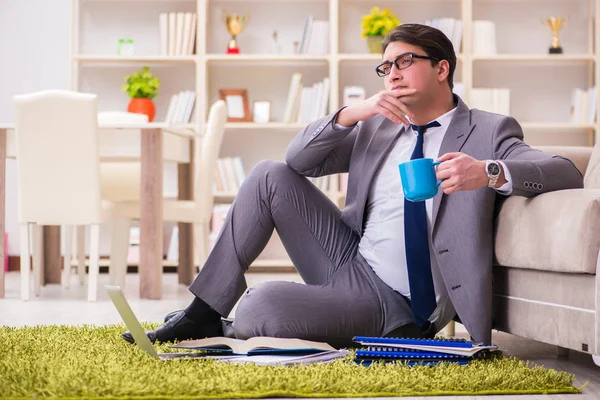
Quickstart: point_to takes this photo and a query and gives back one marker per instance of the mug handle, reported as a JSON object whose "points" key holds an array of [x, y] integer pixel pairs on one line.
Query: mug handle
{"points": [[435, 164]]}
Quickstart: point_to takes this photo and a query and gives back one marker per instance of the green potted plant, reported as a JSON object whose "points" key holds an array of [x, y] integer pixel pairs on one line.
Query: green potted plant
{"points": [[376, 25], [142, 87]]}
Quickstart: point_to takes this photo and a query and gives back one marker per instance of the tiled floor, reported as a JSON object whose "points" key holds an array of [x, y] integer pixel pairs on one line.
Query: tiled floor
{"points": [[60, 306]]}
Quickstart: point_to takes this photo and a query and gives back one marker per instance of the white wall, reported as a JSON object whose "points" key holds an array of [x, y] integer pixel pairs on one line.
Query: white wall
{"points": [[34, 43]]}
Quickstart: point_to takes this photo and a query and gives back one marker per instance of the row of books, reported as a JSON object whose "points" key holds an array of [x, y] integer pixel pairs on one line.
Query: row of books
{"points": [[451, 27], [181, 107], [584, 104], [177, 32], [229, 175], [306, 103], [315, 36]]}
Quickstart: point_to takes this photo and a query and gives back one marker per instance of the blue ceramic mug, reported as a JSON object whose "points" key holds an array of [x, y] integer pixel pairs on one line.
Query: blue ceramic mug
{"points": [[418, 179]]}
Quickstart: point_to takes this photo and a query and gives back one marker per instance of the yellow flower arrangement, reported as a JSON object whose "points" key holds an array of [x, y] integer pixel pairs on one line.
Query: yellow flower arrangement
{"points": [[378, 22]]}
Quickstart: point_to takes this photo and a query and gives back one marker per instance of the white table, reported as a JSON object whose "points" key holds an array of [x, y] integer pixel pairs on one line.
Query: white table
{"points": [[153, 144]]}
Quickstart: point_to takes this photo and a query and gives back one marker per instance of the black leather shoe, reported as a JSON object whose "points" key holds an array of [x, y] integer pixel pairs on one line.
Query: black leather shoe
{"points": [[179, 327], [171, 315]]}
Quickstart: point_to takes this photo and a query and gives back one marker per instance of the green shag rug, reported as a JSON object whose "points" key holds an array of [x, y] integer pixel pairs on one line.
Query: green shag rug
{"points": [[91, 362]]}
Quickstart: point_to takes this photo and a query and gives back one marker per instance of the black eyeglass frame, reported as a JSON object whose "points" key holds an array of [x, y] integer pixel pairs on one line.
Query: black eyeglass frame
{"points": [[395, 62]]}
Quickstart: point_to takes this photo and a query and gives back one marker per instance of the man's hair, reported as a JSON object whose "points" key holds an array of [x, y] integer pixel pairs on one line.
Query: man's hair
{"points": [[433, 42]]}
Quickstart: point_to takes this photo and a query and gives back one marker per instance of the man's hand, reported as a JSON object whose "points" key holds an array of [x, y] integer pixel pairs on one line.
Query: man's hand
{"points": [[388, 103], [460, 171]]}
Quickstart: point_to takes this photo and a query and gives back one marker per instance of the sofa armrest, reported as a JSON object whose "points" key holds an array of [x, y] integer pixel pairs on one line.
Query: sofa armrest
{"points": [[555, 231], [579, 155]]}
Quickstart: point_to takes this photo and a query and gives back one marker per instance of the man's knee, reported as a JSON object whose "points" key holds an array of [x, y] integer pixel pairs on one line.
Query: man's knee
{"points": [[272, 169], [256, 312]]}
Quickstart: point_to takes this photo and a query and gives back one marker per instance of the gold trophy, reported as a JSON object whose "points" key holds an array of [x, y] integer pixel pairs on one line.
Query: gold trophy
{"points": [[555, 25], [235, 25]]}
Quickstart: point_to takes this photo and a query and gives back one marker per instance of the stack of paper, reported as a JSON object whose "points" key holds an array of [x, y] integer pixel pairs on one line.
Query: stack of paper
{"points": [[262, 350], [420, 351]]}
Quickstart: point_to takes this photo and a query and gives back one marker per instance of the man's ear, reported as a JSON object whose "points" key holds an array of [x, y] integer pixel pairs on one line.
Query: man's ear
{"points": [[443, 70]]}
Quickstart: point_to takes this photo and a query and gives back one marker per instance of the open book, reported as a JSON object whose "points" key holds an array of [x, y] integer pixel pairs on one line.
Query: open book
{"points": [[254, 346]]}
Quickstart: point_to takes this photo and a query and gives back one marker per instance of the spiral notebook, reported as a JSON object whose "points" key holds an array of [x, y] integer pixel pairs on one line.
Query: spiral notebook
{"points": [[421, 350]]}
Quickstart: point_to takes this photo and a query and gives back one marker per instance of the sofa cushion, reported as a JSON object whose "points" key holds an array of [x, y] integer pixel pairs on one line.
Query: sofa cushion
{"points": [[556, 231]]}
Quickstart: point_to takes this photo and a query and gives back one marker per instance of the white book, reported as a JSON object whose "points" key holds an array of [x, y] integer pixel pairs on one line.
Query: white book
{"points": [[238, 168], [457, 35], [163, 28], [484, 37], [232, 182], [501, 101], [295, 84], [305, 34], [171, 109], [193, 29], [592, 104], [325, 98], [189, 107], [187, 27], [179, 34], [172, 33], [482, 98], [223, 175]]}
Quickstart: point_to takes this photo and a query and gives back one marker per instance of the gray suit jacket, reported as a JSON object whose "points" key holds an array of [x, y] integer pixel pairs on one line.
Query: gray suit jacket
{"points": [[463, 223]]}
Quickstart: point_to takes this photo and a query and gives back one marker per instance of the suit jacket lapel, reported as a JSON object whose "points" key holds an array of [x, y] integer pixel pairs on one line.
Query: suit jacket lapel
{"points": [[458, 131]]}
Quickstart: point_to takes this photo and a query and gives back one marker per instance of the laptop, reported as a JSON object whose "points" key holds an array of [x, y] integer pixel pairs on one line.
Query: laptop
{"points": [[133, 324]]}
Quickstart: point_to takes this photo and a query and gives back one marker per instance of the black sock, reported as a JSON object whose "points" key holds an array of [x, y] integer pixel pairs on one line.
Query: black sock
{"points": [[200, 312]]}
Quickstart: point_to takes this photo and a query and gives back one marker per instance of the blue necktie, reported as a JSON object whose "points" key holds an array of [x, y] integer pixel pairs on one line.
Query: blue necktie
{"points": [[417, 246]]}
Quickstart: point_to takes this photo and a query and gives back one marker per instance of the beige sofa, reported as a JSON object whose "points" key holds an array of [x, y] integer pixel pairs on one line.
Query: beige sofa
{"points": [[547, 277]]}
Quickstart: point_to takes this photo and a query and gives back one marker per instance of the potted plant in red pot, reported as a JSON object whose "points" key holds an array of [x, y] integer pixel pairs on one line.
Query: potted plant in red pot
{"points": [[142, 87]]}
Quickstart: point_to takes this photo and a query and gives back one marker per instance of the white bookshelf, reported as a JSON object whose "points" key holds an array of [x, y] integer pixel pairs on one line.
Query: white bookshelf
{"points": [[540, 83]]}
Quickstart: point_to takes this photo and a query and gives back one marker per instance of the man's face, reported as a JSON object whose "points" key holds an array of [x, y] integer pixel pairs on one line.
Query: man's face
{"points": [[419, 75]]}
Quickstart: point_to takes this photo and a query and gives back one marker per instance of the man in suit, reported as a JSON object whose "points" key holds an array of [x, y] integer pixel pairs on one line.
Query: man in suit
{"points": [[383, 266]]}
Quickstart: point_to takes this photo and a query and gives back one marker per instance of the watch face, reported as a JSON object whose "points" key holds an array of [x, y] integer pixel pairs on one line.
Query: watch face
{"points": [[493, 169]]}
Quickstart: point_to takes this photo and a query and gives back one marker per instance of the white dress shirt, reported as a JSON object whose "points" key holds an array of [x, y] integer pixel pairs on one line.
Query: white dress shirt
{"points": [[382, 243]]}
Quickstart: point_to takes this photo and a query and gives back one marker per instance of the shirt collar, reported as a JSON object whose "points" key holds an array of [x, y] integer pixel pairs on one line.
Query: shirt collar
{"points": [[443, 119]]}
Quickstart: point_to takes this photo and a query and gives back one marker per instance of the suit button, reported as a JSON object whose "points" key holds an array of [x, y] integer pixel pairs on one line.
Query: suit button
{"points": [[541, 186]]}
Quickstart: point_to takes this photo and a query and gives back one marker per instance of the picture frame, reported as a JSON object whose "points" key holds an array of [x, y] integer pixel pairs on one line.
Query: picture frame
{"points": [[261, 111], [237, 104]]}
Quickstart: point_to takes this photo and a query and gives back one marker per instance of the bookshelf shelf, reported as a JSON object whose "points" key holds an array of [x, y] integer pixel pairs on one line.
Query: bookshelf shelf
{"points": [[91, 58], [556, 126], [225, 58], [558, 58], [370, 57], [274, 126]]}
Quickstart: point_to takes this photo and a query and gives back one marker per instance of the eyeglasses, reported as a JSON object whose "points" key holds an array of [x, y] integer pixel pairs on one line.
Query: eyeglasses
{"points": [[403, 61]]}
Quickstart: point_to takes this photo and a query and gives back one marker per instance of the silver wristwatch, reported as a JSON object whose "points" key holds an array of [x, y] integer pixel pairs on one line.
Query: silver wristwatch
{"points": [[492, 169]]}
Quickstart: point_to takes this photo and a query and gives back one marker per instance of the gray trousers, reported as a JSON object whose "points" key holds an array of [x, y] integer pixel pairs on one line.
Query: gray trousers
{"points": [[342, 296]]}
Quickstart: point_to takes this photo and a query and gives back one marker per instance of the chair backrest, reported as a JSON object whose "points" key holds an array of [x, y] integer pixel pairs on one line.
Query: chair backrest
{"points": [[206, 161], [58, 160]]}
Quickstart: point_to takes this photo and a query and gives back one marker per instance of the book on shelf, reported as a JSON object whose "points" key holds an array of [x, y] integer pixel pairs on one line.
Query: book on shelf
{"points": [[421, 350], [229, 174], [181, 107], [177, 32], [584, 104], [353, 95], [306, 103], [451, 27], [495, 100], [484, 37], [315, 36]]}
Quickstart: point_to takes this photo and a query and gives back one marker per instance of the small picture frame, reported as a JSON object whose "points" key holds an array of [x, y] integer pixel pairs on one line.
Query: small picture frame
{"points": [[237, 104], [261, 111]]}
